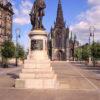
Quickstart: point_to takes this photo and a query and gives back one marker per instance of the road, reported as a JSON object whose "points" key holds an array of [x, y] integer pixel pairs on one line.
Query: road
{"points": [[74, 77], [76, 83]]}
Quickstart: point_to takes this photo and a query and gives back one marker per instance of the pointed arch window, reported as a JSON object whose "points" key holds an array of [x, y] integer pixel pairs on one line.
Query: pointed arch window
{"points": [[59, 40]]}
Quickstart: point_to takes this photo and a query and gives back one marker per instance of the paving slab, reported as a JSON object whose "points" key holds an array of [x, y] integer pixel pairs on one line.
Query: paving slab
{"points": [[77, 84], [72, 77], [14, 94]]}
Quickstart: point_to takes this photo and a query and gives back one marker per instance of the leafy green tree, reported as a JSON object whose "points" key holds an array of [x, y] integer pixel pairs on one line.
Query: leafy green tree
{"points": [[82, 53], [95, 52], [85, 52], [20, 52], [78, 53], [7, 52]]}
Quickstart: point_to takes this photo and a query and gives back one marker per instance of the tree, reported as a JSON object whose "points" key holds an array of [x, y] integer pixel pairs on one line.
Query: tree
{"points": [[85, 52], [95, 52], [78, 53], [7, 52], [20, 52]]}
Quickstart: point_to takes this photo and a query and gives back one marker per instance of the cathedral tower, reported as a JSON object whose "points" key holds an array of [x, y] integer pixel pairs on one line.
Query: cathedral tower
{"points": [[59, 37]]}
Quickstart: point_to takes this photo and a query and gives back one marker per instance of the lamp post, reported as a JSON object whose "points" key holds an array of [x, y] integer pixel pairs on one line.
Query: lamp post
{"points": [[92, 30], [74, 43], [17, 31], [90, 35]]}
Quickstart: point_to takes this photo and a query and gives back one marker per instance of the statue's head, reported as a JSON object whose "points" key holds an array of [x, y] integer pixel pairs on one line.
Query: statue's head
{"points": [[40, 1]]}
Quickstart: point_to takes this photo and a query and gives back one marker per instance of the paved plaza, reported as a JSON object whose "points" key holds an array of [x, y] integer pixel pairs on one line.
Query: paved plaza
{"points": [[77, 82]]}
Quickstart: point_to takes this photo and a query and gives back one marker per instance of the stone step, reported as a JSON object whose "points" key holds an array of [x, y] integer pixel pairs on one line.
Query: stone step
{"points": [[38, 57], [30, 65], [35, 61], [27, 70], [37, 83], [37, 76]]}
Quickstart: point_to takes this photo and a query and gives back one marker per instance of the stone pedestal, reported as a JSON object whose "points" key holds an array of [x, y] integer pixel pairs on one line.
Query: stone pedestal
{"points": [[37, 72]]}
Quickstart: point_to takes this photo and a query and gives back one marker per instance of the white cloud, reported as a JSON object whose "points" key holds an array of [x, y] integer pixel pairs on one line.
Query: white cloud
{"points": [[94, 2], [22, 20], [22, 12], [86, 19]]}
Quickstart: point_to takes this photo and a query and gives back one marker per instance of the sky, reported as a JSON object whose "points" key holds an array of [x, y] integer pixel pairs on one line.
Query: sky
{"points": [[79, 15]]}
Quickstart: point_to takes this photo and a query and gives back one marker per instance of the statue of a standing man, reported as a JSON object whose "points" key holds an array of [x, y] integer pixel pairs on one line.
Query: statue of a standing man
{"points": [[37, 14]]}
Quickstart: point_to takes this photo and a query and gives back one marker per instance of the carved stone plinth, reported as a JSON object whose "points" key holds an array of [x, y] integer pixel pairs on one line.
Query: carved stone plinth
{"points": [[37, 72]]}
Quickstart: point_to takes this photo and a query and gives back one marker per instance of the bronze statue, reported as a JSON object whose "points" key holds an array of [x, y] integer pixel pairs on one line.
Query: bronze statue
{"points": [[37, 14]]}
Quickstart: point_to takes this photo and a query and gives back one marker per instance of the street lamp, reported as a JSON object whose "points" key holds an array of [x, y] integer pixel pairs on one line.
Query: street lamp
{"points": [[17, 31], [74, 43], [92, 30]]}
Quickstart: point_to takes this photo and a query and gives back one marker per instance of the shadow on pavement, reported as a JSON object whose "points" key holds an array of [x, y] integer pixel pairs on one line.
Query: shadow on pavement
{"points": [[12, 75]]}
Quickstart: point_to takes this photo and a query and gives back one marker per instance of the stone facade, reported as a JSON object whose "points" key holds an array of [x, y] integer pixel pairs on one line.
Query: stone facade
{"points": [[59, 38], [6, 16], [73, 44]]}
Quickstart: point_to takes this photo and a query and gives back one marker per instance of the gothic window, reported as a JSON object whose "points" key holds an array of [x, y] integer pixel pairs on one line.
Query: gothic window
{"points": [[59, 40]]}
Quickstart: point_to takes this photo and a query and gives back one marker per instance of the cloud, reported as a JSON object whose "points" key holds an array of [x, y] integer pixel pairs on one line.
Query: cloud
{"points": [[91, 17], [94, 2], [22, 20], [21, 16]]}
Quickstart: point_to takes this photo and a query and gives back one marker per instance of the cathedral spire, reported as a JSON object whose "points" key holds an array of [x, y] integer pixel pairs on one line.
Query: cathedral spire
{"points": [[59, 2], [59, 20]]}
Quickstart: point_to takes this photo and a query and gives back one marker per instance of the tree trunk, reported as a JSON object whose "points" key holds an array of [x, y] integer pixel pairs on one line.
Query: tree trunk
{"points": [[94, 62], [5, 63]]}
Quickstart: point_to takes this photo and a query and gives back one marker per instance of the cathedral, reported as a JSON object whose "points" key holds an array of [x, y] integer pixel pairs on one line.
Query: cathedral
{"points": [[59, 38], [6, 16]]}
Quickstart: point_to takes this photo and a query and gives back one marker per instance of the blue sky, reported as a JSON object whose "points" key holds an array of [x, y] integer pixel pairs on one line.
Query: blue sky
{"points": [[78, 15]]}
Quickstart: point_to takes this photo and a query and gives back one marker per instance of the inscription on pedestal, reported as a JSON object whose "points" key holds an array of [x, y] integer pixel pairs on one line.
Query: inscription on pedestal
{"points": [[36, 45]]}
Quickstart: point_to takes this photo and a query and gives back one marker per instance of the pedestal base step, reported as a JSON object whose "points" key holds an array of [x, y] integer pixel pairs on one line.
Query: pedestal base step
{"points": [[37, 84], [37, 61], [34, 65], [36, 70], [38, 75]]}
